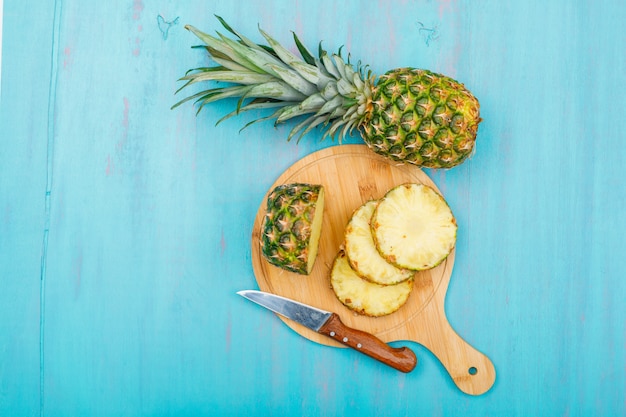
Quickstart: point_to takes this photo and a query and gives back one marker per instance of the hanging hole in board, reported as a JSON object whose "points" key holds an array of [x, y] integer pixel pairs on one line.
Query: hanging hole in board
{"points": [[472, 370]]}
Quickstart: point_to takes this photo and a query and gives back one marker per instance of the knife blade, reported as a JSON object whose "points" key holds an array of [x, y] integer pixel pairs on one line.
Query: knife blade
{"points": [[329, 324]]}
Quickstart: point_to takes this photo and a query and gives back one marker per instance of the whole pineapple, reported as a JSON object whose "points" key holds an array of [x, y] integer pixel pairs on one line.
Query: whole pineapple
{"points": [[409, 115], [292, 225]]}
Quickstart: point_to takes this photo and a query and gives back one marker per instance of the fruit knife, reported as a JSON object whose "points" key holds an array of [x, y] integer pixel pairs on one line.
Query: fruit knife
{"points": [[329, 324]]}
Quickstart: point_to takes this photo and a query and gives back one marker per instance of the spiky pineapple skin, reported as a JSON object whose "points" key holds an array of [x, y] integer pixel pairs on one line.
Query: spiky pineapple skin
{"points": [[421, 117], [287, 232]]}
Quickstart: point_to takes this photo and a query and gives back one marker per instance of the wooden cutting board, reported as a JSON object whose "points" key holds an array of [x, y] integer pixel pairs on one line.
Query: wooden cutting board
{"points": [[352, 175]]}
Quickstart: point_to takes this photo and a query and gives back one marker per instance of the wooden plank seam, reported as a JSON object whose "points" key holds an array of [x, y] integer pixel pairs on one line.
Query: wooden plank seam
{"points": [[54, 65]]}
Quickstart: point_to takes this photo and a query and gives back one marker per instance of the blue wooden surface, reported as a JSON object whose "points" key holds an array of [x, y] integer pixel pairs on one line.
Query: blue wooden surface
{"points": [[125, 226]]}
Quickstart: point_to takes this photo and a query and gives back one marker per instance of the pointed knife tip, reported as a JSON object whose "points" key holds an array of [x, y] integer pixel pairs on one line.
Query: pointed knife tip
{"points": [[244, 293]]}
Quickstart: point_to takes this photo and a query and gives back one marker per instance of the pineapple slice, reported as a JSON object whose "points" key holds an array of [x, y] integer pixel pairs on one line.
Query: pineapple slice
{"points": [[413, 227], [362, 254], [366, 297], [292, 225]]}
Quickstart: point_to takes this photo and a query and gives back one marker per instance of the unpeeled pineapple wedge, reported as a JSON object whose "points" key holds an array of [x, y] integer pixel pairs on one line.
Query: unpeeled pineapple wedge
{"points": [[292, 225]]}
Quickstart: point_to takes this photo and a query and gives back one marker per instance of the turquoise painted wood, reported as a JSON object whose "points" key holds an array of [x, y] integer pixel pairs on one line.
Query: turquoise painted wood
{"points": [[125, 226]]}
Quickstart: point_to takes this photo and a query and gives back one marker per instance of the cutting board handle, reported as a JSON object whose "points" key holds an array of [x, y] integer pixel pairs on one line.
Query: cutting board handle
{"points": [[472, 371]]}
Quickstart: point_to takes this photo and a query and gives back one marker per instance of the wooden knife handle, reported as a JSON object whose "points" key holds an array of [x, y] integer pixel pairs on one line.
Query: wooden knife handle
{"points": [[403, 359]]}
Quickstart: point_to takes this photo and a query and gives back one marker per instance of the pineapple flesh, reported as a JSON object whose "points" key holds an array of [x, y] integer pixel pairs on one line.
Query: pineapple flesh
{"points": [[413, 227], [361, 250], [365, 297], [292, 225], [408, 115]]}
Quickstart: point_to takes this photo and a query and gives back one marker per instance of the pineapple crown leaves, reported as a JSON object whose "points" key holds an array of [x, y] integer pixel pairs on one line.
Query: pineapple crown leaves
{"points": [[326, 90]]}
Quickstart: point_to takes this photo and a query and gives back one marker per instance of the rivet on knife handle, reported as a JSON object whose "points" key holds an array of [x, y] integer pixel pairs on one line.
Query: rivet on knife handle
{"points": [[403, 359]]}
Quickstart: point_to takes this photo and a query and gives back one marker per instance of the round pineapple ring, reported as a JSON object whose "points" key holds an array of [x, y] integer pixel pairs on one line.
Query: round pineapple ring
{"points": [[362, 254], [365, 297], [413, 227]]}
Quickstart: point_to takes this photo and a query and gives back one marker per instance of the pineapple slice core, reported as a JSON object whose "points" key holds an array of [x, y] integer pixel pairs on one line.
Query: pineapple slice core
{"points": [[413, 227]]}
